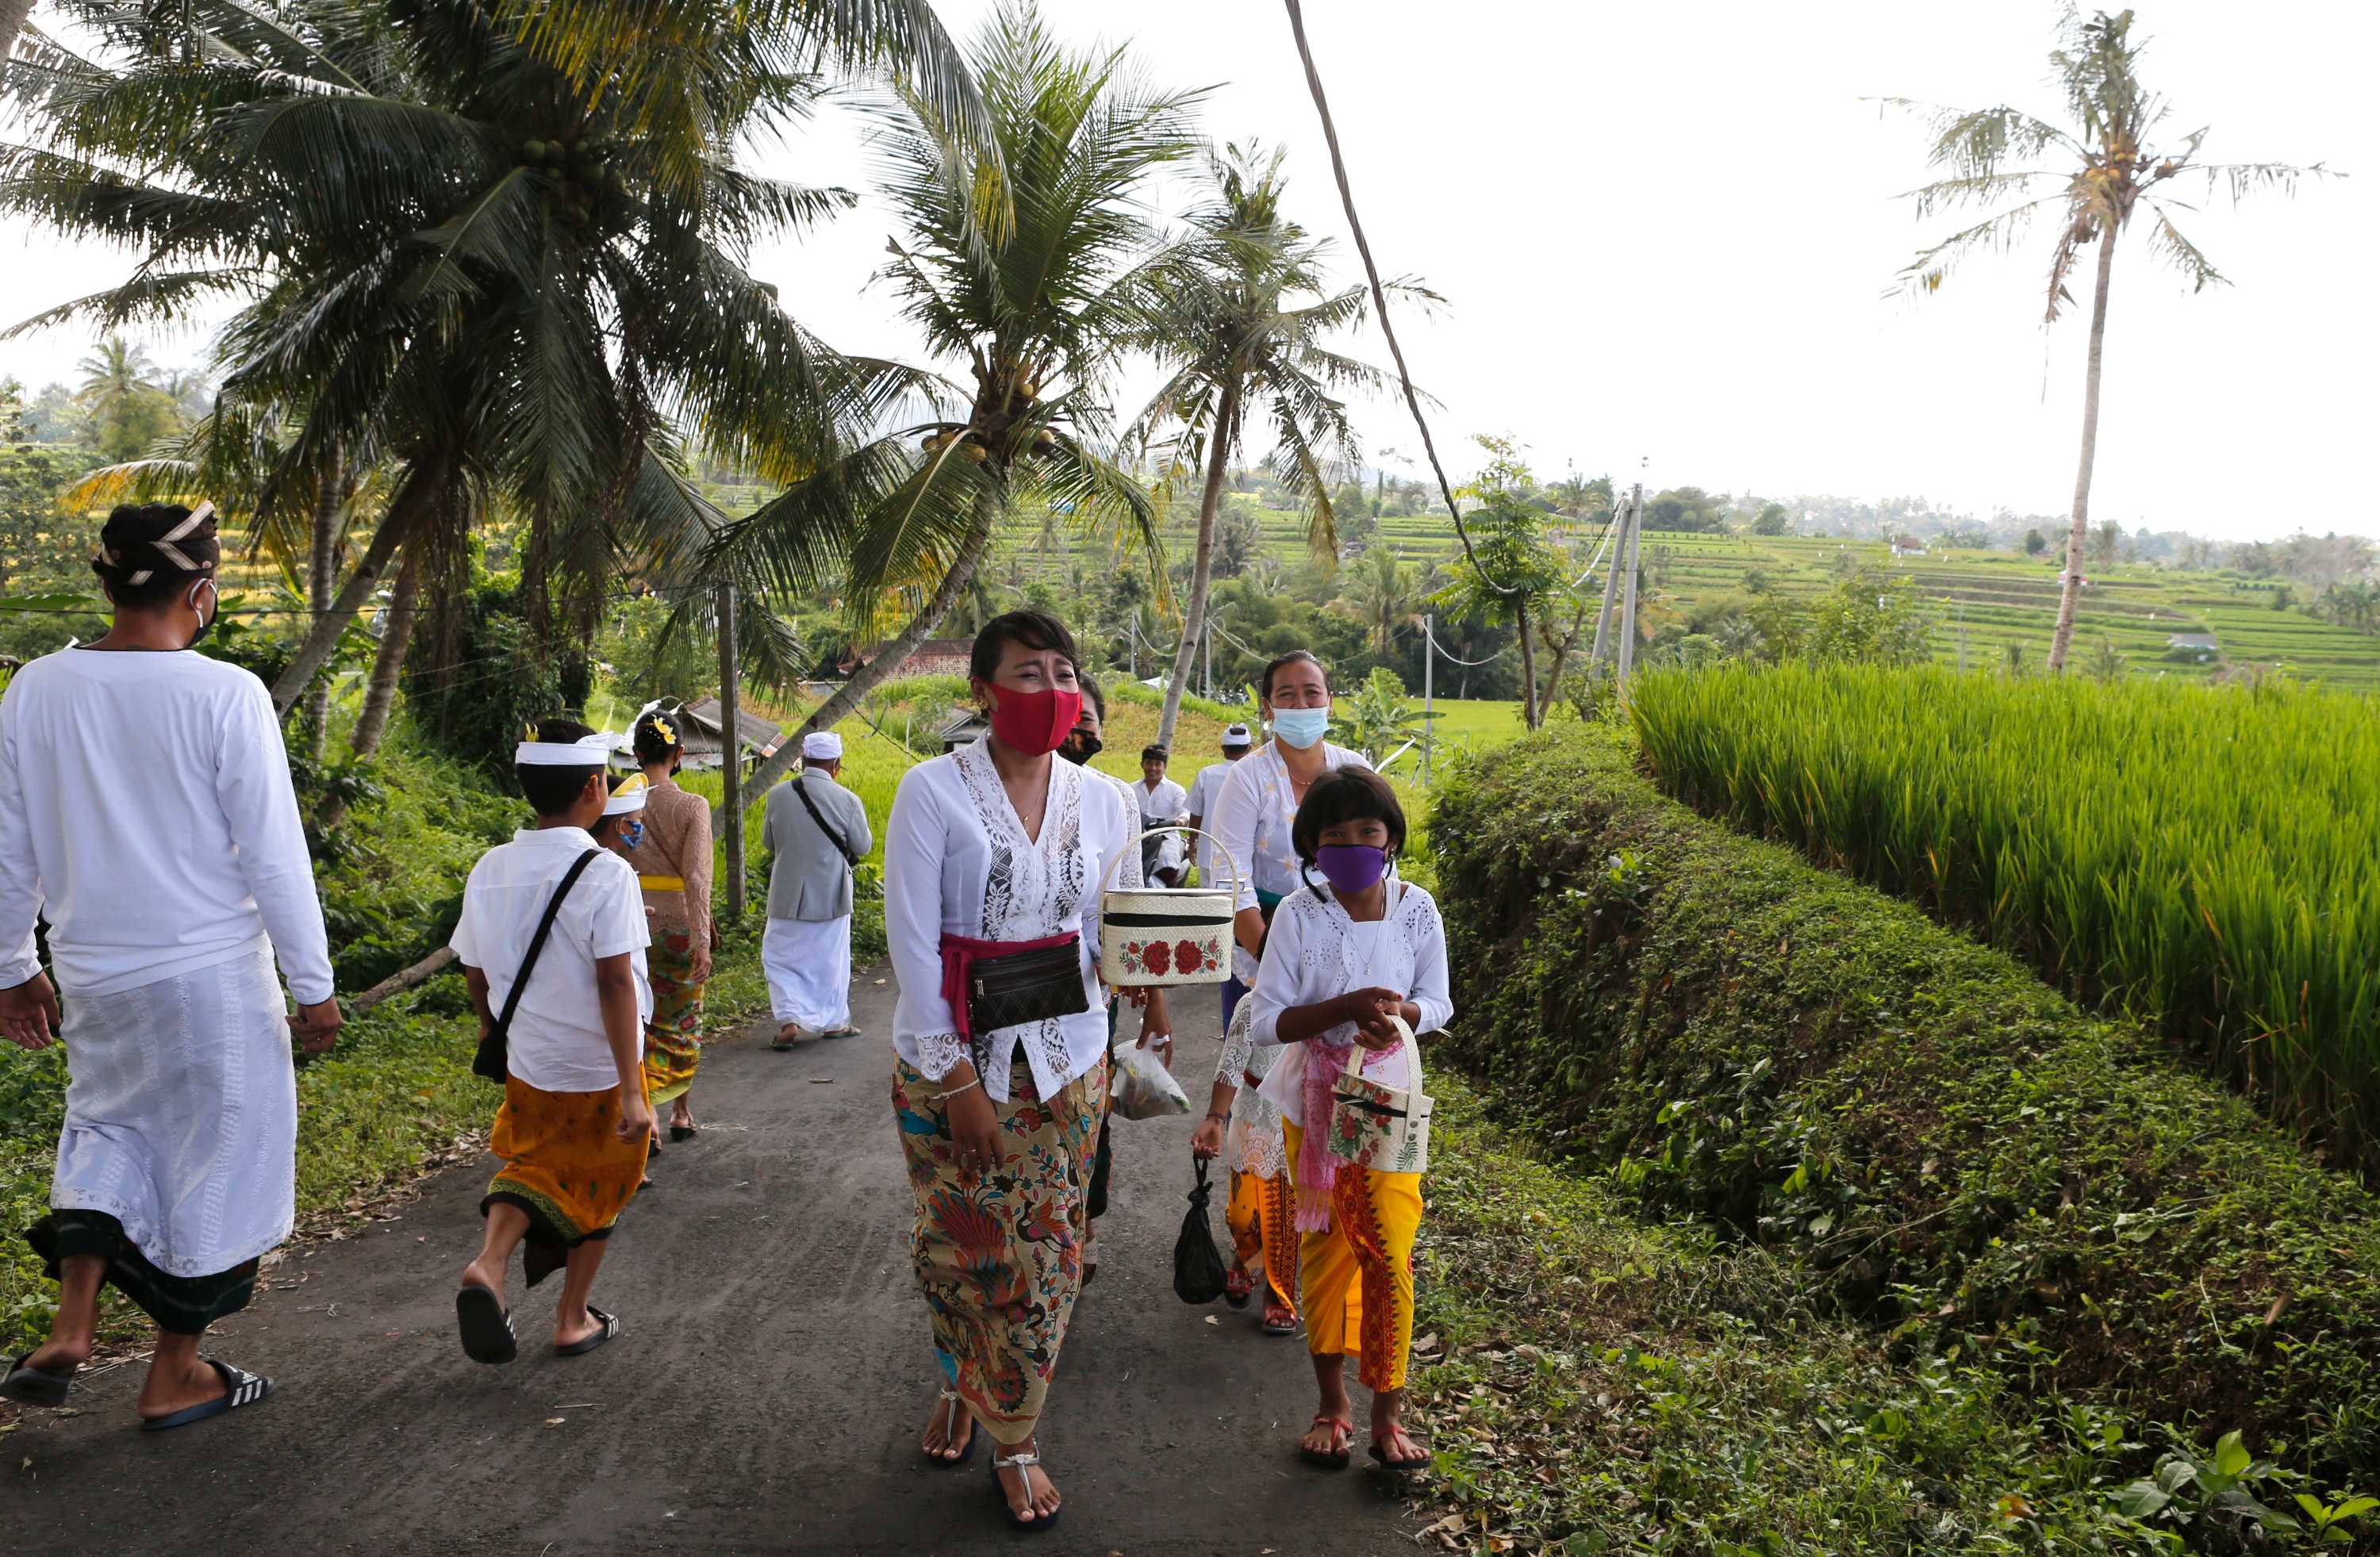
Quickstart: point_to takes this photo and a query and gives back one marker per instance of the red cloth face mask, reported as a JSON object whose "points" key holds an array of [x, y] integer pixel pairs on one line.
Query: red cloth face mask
{"points": [[1035, 723]]}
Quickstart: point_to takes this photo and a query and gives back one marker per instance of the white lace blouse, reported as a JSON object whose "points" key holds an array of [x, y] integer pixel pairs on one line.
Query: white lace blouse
{"points": [[1254, 1143], [958, 861], [1316, 953], [1254, 806]]}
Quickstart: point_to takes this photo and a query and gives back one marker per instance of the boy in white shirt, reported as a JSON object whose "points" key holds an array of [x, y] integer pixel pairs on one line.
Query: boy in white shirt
{"points": [[575, 1125]]}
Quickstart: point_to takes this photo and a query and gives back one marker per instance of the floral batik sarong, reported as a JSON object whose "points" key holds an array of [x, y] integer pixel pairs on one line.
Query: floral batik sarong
{"points": [[673, 1036], [565, 1165], [1358, 1276], [999, 1255]]}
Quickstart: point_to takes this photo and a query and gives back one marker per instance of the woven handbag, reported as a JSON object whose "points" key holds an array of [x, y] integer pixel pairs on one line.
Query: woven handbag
{"points": [[1166, 936], [1384, 1129]]}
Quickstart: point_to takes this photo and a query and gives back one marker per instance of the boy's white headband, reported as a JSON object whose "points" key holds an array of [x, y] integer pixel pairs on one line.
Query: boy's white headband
{"points": [[594, 750]]}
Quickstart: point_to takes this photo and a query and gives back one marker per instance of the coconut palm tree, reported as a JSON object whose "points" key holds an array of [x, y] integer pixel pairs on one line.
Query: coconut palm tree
{"points": [[1036, 304], [1384, 595], [477, 245], [1243, 334], [2105, 171]]}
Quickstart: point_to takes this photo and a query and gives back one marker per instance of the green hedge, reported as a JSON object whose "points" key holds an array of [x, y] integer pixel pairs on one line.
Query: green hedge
{"points": [[1953, 1149]]}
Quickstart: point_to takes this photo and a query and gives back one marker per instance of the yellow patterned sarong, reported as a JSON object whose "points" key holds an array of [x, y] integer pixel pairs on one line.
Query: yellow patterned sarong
{"points": [[1358, 1276], [565, 1165], [673, 1036]]}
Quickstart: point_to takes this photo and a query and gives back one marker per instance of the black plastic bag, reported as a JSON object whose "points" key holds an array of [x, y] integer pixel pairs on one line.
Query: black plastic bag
{"points": [[1197, 1264]]}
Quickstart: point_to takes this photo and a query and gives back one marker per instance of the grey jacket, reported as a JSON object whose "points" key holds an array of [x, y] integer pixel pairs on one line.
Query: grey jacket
{"points": [[808, 879]]}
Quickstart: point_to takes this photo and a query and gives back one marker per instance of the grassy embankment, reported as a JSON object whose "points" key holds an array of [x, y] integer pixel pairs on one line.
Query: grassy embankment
{"points": [[1891, 1129]]}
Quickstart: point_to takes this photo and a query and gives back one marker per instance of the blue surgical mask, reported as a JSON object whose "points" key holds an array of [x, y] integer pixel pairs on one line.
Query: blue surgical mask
{"points": [[1301, 727], [632, 833]]}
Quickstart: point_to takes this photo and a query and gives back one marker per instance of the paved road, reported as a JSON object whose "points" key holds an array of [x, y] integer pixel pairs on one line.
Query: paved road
{"points": [[766, 1393]]}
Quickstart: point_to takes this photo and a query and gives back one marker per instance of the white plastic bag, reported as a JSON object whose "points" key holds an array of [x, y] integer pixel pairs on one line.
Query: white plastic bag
{"points": [[1141, 1088]]}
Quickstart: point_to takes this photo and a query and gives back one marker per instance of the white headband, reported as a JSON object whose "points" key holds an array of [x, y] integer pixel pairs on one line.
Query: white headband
{"points": [[593, 751], [630, 797]]}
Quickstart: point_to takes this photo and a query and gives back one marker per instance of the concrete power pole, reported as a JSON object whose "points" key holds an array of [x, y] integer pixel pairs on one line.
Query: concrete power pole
{"points": [[731, 764], [1628, 588], [1611, 581]]}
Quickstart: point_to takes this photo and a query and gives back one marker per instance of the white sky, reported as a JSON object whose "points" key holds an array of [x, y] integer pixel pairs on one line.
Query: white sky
{"points": [[1665, 234]]}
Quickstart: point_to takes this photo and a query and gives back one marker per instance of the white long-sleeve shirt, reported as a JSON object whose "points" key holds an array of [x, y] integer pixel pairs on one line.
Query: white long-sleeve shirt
{"points": [[1201, 808], [146, 807], [1316, 953], [1254, 807], [1167, 802], [958, 861]]}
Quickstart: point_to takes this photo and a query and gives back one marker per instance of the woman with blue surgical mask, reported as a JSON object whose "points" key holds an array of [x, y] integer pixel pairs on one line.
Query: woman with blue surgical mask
{"points": [[1258, 800]]}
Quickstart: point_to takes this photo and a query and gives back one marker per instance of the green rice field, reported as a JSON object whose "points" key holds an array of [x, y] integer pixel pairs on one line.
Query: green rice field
{"points": [[2199, 855]]}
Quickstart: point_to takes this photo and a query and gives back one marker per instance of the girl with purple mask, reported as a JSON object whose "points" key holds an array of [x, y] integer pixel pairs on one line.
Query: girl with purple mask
{"points": [[1347, 958]]}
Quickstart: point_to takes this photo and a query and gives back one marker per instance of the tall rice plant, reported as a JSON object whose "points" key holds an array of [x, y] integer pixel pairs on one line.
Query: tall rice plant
{"points": [[2208, 857]]}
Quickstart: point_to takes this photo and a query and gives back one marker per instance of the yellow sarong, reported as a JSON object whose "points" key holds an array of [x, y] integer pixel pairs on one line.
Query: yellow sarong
{"points": [[1358, 1276], [564, 1166], [1259, 1215]]}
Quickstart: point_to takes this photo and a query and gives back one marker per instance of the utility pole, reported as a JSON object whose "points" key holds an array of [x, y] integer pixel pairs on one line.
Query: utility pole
{"points": [[1628, 589], [731, 764], [1207, 675], [1611, 579], [1132, 636], [1429, 689]]}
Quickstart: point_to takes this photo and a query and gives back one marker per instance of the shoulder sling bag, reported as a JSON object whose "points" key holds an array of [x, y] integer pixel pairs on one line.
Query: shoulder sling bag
{"points": [[841, 844], [491, 1061]]}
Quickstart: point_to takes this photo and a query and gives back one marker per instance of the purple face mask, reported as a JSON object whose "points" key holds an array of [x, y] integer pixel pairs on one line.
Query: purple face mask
{"points": [[1351, 868]]}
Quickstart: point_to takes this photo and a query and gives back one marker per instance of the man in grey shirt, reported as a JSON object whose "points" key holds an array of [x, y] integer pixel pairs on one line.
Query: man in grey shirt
{"points": [[815, 830]]}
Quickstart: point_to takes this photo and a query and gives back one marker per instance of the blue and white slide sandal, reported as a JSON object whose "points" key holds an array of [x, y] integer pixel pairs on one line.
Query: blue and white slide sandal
{"points": [[240, 1388], [27, 1386]]}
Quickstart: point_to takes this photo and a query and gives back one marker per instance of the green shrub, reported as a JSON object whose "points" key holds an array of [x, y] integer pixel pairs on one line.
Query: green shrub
{"points": [[1952, 1148], [1592, 1384]]}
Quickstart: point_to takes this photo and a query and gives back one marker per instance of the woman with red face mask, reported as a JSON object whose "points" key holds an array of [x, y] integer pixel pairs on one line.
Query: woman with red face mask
{"points": [[993, 857]]}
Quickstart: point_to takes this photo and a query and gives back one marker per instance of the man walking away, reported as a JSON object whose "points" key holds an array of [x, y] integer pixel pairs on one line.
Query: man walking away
{"points": [[145, 806], [816, 831]]}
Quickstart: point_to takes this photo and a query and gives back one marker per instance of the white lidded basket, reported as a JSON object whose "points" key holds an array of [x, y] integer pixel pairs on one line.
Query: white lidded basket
{"points": [[1153, 937]]}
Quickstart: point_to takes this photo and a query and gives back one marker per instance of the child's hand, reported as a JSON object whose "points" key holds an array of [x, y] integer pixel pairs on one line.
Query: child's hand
{"points": [[1206, 1141], [636, 1118]]}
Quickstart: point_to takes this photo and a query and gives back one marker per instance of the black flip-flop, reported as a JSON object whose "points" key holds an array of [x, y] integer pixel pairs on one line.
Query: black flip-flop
{"points": [[581, 1347], [27, 1386], [683, 1132], [1401, 1466], [486, 1324], [240, 1388]]}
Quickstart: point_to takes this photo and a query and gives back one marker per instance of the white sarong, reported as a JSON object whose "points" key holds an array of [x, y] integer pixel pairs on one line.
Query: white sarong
{"points": [[182, 1114], [808, 963]]}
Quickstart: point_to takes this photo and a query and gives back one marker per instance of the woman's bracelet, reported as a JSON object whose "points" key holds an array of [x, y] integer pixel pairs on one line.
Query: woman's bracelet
{"points": [[1225, 1117], [955, 1092]]}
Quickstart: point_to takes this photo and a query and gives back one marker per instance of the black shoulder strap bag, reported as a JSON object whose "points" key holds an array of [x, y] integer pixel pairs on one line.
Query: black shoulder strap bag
{"points": [[841, 844], [492, 1056]]}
